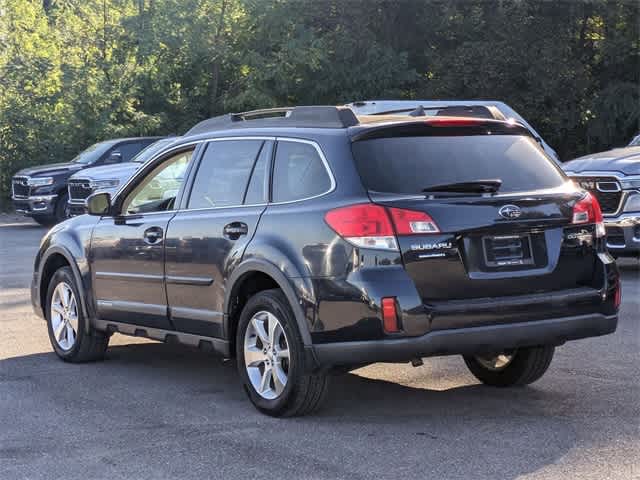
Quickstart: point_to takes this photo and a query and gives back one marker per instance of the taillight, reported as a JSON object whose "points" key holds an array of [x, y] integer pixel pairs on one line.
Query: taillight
{"points": [[374, 226], [587, 210], [410, 222], [365, 225]]}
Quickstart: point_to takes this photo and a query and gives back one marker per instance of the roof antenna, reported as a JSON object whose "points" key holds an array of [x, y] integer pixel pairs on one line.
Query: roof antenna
{"points": [[418, 112]]}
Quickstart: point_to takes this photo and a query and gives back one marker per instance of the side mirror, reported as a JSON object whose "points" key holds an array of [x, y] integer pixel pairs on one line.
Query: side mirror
{"points": [[115, 157], [99, 203]]}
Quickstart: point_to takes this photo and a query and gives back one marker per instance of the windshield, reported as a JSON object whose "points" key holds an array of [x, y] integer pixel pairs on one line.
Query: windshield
{"points": [[408, 165], [635, 142], [93, 153], [149, 151]]}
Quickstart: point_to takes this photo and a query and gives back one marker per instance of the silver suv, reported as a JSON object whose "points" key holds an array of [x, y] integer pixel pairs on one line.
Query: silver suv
{"points": [[108, 178]]}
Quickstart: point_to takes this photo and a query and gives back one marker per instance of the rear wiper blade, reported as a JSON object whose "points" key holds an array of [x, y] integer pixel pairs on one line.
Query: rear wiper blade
{"points": [[475, 186]]}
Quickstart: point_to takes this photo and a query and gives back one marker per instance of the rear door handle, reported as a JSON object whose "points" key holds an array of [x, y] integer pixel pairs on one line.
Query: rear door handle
{"points": [[153, 235], [235, 230]]}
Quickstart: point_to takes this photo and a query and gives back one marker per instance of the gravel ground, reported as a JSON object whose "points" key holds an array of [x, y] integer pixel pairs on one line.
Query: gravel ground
{"points": [[157, 411]]}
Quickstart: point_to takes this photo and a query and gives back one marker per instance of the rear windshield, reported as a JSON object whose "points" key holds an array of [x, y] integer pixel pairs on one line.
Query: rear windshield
{"points": [[411, 164]]}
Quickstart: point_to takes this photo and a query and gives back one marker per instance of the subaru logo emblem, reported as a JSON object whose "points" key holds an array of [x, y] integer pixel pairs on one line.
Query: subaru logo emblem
{"points": [[510, 212]]}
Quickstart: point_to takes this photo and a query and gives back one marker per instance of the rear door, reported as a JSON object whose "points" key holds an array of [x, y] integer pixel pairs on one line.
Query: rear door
{"points": [[489, 245], [207, 238]]}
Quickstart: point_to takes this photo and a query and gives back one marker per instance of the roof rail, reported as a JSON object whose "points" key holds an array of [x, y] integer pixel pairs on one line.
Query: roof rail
{"points": [[262, 113], [475, 111], [310, 117]]}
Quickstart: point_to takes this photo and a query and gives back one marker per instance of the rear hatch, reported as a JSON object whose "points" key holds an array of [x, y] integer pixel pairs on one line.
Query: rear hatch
{"points": [[515, 239]]}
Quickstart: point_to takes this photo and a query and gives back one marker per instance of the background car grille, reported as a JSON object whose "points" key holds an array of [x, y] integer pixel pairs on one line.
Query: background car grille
{"points": [[615, 236], [20, 187], [609, 201], [79, 189]]}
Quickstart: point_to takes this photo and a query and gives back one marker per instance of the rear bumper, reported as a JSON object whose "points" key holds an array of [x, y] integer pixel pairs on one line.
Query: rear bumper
{"points": [[623, 233], [35, 205], [467, 341]]}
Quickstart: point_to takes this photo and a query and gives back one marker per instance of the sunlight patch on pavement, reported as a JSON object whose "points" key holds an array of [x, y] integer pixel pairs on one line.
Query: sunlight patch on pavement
{"points": [[439, 374]]}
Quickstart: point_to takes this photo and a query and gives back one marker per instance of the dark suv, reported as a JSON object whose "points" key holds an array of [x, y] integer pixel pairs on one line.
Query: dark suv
{"points": [[41, 192], [320, 241]]}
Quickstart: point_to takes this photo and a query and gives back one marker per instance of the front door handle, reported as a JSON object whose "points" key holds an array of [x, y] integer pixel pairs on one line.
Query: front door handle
{"points": [[235, 230], [153, 235]]}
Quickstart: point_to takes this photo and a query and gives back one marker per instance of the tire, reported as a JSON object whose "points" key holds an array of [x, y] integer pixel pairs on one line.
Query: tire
{"points": [[302, 392], [526, 366], [88, 344], [61, 211], [44, 220]]}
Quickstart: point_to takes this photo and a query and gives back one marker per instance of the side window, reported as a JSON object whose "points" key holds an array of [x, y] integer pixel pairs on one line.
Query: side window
{"points": [[259, 183], [223, 173], [298, 172], [129, 150], [114, 156], [157, 191]]}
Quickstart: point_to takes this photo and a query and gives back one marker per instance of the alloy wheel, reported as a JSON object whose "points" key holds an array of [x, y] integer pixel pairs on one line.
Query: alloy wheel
{"points": [[64, 316], [266, 355]]}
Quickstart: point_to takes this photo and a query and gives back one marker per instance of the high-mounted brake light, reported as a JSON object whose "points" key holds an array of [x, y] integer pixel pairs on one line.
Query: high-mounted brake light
{"points": [[454, 122], [374, 226], [587, 211]]}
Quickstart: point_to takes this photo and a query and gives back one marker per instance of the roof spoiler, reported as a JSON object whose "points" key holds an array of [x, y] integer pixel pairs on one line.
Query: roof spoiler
{"points": [[437, 126]]}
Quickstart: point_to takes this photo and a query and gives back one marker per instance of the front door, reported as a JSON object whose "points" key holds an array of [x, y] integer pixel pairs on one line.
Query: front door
{"points": [[127, 249], [208, 237]]}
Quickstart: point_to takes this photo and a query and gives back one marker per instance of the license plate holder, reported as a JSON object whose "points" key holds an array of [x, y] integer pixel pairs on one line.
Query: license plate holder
{"points": [[507, 250]]}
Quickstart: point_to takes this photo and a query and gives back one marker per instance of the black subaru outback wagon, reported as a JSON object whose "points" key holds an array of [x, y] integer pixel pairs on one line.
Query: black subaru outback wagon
{"points": [[319, 241]]}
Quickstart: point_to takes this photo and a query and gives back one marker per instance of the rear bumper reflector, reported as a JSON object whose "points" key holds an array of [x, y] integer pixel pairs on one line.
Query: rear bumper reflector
{"points": [[390, 315]]}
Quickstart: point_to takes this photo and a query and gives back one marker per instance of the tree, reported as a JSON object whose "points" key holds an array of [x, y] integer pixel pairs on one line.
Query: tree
{"points": [[72, 73]]}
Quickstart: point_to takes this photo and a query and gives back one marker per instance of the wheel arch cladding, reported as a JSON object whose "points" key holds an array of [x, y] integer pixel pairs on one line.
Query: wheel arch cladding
{"points": [[56, 258], [254, 276]]}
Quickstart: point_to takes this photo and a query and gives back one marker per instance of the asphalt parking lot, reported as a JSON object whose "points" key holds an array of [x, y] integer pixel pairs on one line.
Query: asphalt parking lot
{"points": [[156, 411]]}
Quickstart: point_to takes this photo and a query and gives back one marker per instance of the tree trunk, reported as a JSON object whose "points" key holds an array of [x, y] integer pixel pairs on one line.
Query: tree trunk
{"points": [[215, 67]]}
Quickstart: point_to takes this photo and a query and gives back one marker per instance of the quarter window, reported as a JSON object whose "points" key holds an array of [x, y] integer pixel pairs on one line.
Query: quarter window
{"points": [[298, 172], [223, 173]]}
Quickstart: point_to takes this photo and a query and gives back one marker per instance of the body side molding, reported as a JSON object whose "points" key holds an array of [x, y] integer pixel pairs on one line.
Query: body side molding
{"points": [[204, 343]]}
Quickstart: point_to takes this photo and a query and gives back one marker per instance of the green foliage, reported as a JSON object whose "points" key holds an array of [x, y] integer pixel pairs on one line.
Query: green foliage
{"points": [[74, 72]]}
